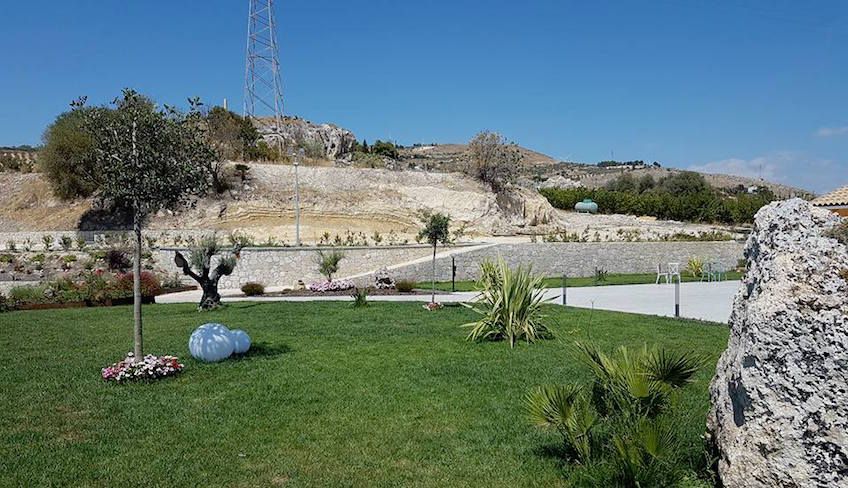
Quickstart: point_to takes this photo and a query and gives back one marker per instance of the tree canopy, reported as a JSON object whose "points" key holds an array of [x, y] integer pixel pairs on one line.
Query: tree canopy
{"points": [[144, 158], [493, 160]]}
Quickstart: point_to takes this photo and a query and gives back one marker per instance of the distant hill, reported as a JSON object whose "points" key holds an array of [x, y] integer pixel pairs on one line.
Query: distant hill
{"points": [[538, 168]]}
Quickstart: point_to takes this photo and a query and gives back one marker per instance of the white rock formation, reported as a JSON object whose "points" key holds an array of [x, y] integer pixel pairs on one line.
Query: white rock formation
{"points": [[559, 181], [241, 341], [296, 132], [211, 343], [779, 413]]}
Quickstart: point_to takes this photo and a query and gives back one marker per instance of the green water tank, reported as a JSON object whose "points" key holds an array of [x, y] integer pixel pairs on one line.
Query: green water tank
{"points": [[586, 206]]}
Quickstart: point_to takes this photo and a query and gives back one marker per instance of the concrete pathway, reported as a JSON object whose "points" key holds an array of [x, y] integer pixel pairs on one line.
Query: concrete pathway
{"points": [[703, 301]]}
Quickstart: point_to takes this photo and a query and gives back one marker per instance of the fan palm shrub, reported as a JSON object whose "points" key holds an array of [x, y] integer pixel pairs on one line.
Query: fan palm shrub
{"points": [[565, 409], [621, 427], [509, 305]]}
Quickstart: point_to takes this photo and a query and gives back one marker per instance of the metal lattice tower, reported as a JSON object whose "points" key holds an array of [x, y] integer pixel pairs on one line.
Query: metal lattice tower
{"points": [[263, 90]]}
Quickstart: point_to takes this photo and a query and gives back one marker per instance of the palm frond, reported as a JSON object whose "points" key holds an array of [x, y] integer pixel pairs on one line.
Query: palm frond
{"points": [[671, 368]]}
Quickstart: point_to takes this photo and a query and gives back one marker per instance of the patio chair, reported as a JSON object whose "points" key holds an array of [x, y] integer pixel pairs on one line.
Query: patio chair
{"points": [[674, 270], [717, 273], [662, 274]]}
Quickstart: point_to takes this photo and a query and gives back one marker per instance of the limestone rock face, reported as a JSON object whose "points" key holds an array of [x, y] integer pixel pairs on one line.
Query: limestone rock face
{"points": [[334, 141], [779, 415]]}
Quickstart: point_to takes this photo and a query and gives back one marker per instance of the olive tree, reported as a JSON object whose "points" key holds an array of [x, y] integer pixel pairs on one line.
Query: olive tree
{"points": [[202, 268], [145, 159], [435, 230]]}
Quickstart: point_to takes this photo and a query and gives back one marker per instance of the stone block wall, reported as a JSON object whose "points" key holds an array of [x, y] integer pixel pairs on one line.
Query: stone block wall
{"points": [[579, 258], [281, 266]]}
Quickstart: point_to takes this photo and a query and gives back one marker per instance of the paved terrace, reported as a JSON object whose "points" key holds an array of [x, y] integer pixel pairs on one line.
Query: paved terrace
{"points": [[703, 301]]}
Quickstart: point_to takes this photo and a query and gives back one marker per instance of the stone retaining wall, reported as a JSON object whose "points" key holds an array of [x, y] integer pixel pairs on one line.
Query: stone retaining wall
{"points": [[578, 258], [285, 266]]}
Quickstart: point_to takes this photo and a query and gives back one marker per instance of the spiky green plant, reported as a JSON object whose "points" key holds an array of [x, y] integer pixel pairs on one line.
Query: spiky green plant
{"points": [[620, 430], [328, 262], [566, 409], [695, 266], [510, 306], [645, 453], [637, 383], [360, 297]]}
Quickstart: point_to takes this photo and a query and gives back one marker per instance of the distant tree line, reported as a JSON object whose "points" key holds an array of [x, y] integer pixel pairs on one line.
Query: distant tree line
{"points": [[638, 162], [379, 148], [685, 196]]}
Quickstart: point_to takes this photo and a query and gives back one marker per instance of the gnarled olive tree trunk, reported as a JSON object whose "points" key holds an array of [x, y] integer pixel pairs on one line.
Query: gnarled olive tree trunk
{"points": [[205, 275]]}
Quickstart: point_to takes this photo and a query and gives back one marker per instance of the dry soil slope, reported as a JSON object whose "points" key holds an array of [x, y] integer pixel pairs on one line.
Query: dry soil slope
{"points": [[333, 200]]}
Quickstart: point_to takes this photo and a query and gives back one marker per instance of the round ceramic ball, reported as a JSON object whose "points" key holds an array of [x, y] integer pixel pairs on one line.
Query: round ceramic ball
{"points": [[241, 341], [211, 343]]}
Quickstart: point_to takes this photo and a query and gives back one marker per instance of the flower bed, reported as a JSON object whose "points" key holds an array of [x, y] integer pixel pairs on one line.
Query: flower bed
{"points": [[335, 285], [149, 368], [93, 289]]}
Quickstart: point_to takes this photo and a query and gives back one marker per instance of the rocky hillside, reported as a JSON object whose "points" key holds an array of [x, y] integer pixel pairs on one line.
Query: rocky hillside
{"points": [[541, 170], [333, 200]]}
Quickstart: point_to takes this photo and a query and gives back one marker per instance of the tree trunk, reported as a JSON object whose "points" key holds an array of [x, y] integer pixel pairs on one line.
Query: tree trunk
{"points": [[433, 298], [211, 298], [137, 333]]}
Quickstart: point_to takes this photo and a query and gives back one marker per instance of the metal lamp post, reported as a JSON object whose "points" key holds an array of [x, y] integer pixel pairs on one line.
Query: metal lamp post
{"points": [[297, 160]]}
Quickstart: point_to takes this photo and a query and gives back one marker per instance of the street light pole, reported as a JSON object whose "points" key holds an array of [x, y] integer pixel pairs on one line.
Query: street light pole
{"points": [[297, 160]]}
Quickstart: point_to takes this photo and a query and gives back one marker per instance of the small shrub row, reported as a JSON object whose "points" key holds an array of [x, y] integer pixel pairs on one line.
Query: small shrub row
{"points": [[95, 287]]}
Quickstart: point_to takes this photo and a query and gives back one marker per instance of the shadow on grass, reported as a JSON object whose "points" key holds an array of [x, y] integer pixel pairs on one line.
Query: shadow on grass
{"points": [[263, 350], [557, 453]]}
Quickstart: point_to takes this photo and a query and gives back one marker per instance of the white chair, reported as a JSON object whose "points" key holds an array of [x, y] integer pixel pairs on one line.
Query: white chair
{"points": [[662, 274], [674, 270]]}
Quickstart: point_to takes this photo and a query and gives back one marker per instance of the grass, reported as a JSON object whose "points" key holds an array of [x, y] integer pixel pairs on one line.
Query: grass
{"points": [[388, 395], [579, 282]]}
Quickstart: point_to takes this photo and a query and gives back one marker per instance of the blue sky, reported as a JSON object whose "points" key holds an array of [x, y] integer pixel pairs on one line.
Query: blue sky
{"points": [[723, 86]]}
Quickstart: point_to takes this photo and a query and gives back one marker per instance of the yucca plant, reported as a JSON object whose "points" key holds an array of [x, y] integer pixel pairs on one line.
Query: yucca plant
{"points": [[328, 262], [695, 266], [510, 306], [360, 297]]}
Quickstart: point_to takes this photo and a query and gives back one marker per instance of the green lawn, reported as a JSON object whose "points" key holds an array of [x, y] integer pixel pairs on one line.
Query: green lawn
{"points": [[556, 282], [391, 395]]}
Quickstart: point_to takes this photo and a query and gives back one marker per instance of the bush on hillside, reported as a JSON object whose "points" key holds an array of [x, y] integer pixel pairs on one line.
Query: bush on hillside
{"points": [[493, 160], [384, 148]]}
